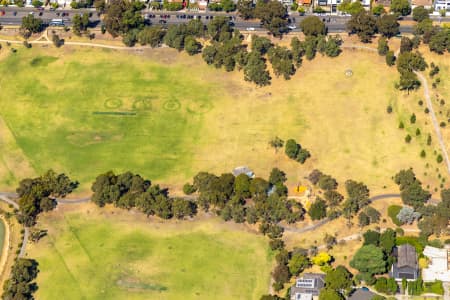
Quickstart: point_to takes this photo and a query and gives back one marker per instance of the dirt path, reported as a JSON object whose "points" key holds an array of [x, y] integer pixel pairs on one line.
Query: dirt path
{"points": [[5, 249], [6, 198], [434, 119]]}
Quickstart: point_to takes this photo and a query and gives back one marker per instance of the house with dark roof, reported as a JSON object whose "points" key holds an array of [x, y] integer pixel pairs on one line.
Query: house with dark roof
{"points": [[406, 265], [308, 286], [361, 294]]}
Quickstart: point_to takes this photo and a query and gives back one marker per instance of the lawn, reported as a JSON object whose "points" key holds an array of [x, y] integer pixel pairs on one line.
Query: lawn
{"points": [[167, 116], [95, 255]]}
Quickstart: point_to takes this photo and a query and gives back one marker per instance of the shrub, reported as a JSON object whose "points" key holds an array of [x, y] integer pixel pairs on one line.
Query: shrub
{"points": [[439, 158], [417, 132], [408, 138], [389, 109], [401, 125], [189, 189], [442, 124], [412, 119], [423, 154], [393, 211]]}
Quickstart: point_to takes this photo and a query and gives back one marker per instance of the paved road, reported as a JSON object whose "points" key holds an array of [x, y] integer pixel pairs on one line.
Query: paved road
{"points": [[434, 119], [7, 197], [335, 24]]}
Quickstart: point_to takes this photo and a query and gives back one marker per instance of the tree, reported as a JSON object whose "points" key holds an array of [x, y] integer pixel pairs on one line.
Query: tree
{"points": [[386, 285], [420, 13], [281, 59], [387, 240], [262, 45], [298, 51], [191, 45], [407, 215], [329, 294], [183, 208], [369, 259], [151, 35], [383, 47], [402, 7], [242, 186], [406, 45], [390, 58], [246, 9], [273, 15], [318, 209], [364, 25], [20, 285], [291, 148], [256, 70], [373, 214], [358, 196], [277, 176], [312, 25], [339, 279], [80, 23], [30, 25], [333, 197], [321, 259], [298, 263], [440, 41], [276, 143], [122, 16], [351, 7], [388, 26], [332, 46], [363, 219], [378, 10], [371, 237], [326, 182]]}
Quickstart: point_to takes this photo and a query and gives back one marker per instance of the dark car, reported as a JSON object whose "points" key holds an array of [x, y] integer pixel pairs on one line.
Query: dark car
{"points": [[14, 13], [2, 12], [162, 21]]}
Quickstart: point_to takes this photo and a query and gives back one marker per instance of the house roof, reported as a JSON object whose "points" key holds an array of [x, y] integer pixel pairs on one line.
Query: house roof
{"points": [[243, 170], [304, 2], [361, 294], [383, 2], [309, 284], [406, 256], [425, 3]]}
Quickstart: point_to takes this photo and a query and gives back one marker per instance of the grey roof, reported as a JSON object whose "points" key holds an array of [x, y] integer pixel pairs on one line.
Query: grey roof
{"points": [[361, 294], [316, 281], [243, 170], [406, 256]]}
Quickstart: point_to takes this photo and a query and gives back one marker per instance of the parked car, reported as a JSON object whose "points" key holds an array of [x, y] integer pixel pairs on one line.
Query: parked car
{"points": [[292, 27], [250, 28], [14, 13]]}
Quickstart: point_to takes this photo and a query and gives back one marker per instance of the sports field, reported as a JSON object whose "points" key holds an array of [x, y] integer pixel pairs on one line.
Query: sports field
{"points": [[96, 255], [167, 116]]}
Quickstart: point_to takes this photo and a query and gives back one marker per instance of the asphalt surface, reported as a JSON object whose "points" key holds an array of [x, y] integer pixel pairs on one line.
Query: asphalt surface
{"points": [[335, 24]]}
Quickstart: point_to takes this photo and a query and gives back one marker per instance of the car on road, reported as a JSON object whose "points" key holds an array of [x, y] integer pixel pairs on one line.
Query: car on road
{"points": [[292, 27], [14, 13], [162, 21], [250, 28]]}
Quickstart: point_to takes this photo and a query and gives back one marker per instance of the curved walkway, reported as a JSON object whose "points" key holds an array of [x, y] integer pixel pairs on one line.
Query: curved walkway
{"points": [[5, 197], [434, 119]]}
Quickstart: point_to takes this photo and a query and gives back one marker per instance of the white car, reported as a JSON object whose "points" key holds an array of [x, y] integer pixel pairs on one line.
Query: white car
{"points": [[250, 28], [292, 27]]}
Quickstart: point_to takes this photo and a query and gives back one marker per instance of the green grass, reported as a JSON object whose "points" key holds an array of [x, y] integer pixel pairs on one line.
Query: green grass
{"points": [[393, 211], [93, 257], [168, 116]]}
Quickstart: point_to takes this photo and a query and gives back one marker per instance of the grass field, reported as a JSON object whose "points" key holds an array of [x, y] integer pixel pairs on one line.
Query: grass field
{"points": [[167, 116], [96, 255]]}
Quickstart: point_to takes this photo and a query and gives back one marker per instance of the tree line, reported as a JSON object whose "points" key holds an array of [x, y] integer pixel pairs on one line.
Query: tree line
{"points": [[38, 195], [20, 284]]}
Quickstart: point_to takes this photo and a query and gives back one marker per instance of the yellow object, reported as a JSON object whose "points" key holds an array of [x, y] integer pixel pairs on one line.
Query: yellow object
{"points": [[321, 259], [423, 263]]}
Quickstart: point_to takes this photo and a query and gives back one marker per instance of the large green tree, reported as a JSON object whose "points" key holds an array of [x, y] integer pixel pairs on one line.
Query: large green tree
{"points": [[364, 25], [369, 259], [312, 25]]}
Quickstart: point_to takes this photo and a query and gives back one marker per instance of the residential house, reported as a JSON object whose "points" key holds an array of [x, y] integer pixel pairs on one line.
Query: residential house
{"points": [[361, 294], [438, 268], [442, 5], [406, 265], [308, 286], [304, 2], [425, 3]]}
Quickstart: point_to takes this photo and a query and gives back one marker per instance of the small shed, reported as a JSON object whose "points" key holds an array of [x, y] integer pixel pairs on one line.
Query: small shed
{"points": [[243, 170]]}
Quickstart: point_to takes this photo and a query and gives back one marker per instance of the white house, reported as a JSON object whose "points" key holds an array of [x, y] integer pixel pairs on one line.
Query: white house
{"points": [[442, 5], [438, 267]]}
